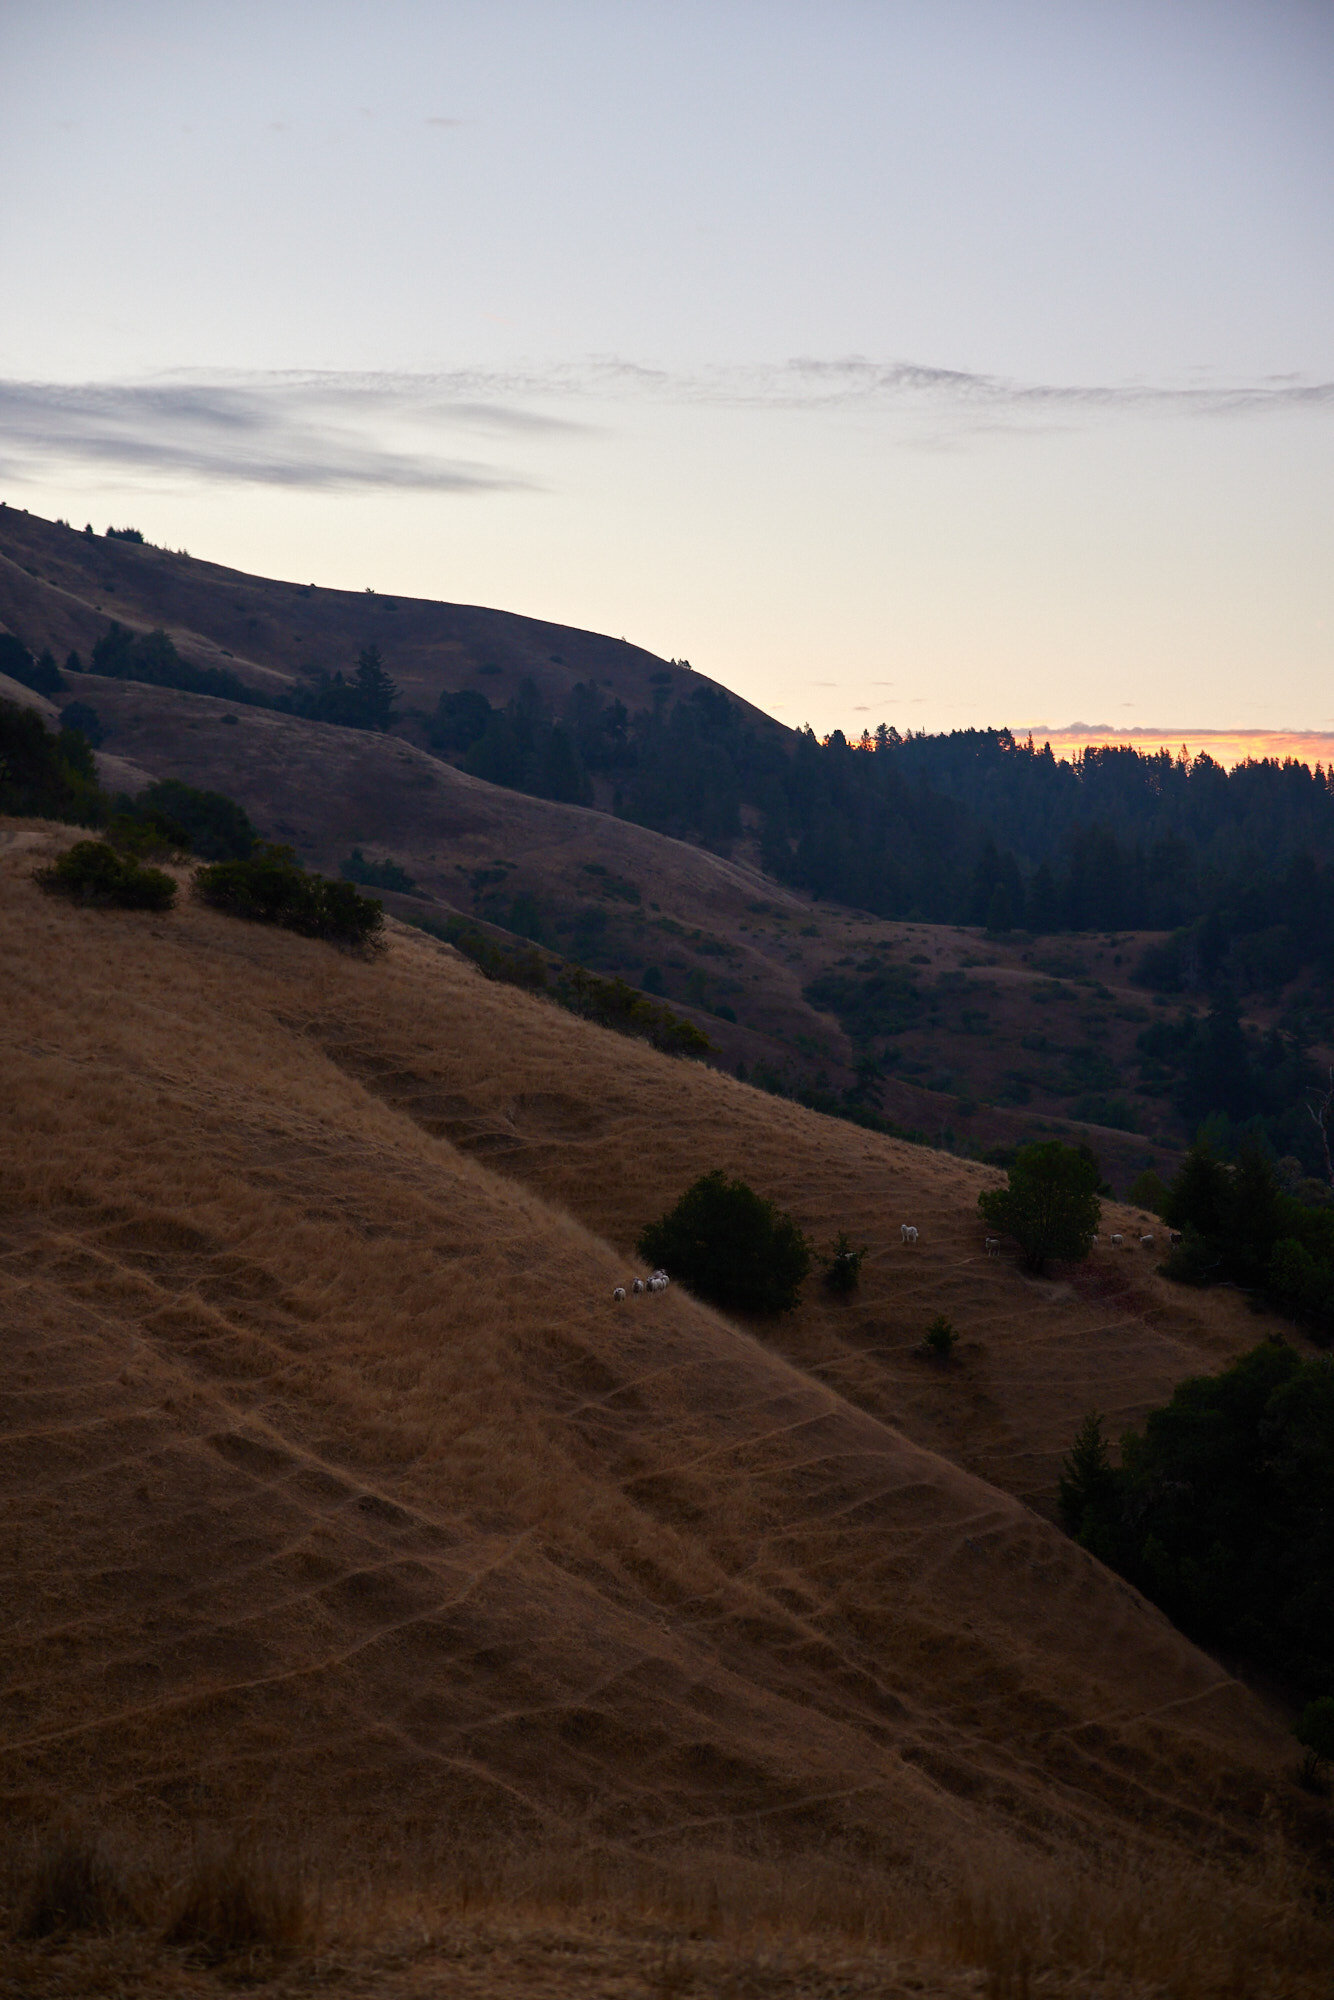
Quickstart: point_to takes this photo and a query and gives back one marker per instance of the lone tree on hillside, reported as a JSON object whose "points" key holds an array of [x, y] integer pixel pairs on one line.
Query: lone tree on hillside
{"points": [[730, 1246], [376, 693], [1051, 1206]]}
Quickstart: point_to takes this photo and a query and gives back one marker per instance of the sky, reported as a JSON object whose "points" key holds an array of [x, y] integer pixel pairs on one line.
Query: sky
{"points": [[941, 362]]}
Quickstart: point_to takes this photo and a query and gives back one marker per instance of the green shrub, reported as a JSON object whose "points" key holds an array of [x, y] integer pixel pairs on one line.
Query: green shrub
{"points": [[122, 654], [376, 874], [843, 1265], [272, 888], [92, 872], [42, 675], [730, 1246], [527, 969], [47, 774], [82, 716], [614, 1004], [1148, 1190], [940, 1339], [1050, 1207], [216, 828], [146, 836]]}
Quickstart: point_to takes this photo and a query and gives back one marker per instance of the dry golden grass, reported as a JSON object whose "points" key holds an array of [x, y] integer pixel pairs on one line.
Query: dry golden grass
{"points": [[509, 1923], [343, 1506]]}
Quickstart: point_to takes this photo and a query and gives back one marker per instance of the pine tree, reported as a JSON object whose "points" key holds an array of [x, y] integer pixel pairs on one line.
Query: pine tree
{"points": [[376, 693], [1090, 1485]]}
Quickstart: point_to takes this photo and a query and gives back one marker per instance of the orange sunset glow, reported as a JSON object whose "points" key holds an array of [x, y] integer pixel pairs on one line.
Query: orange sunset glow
{"points": [[1228, 747]]}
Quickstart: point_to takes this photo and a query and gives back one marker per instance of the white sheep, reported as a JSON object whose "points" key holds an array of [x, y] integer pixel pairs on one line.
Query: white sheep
{"points": [[907, 1232], [1146, 1242], [637, 1287], [660, 1273], [657, 1284], [993, 1246], [618, 1295], [1117, 1240]]}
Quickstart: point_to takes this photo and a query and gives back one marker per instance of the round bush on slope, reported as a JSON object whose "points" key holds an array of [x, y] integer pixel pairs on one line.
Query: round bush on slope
{"points": [[271, 887], [92, 872], [1050, 1207], [730, 1246]]}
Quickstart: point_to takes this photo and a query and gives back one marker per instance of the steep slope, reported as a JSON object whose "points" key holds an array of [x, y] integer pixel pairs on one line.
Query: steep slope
{"points": [[340, 1491]]}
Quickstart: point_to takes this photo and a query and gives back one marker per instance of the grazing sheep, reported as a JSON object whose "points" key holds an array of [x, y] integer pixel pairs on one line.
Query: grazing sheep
{"points": [[907, 1232], [1117, 1240], [619, 1295], [637, 1287], [657, 1284], [993, 1246], [1146, 1242], [660, 1273], [1174, 1236]]}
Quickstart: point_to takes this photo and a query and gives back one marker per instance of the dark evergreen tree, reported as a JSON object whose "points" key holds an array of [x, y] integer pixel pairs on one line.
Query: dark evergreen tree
{"points": [[376, 693]]}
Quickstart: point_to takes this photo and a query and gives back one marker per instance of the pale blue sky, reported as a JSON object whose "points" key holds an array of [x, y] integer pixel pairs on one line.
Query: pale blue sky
{"points": [[947, 361]]}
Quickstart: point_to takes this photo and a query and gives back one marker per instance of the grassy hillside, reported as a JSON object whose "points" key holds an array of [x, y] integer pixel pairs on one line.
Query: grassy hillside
{"points": [[988, 1041], [342, 1501], [971, 1040]]}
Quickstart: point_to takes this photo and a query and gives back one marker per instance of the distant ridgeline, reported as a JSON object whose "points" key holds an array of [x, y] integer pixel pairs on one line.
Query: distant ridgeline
{"points": [[969, 828], [972, 827]]}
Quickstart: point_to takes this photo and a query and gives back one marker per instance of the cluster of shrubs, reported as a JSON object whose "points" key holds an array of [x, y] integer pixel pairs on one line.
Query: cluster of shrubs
{"points": [[385, 874], [42, 674], [610, 1002], [365, 699], [271, 887], [614, 1004], [1222, 1510], [1238, 1224], [45, 774], [93, 871], [51, 775], [123, 655]]}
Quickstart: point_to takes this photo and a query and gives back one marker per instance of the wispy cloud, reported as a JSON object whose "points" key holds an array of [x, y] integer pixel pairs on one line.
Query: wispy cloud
{"points": [[319, 432], [857, 382], [355, 430]]}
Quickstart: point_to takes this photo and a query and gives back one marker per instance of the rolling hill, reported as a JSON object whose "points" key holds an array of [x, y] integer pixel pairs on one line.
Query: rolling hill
{"points": [[993, 1041], [343, 1503]]}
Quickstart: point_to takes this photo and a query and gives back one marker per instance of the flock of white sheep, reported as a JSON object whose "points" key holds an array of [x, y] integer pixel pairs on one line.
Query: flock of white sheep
{"points": [[657, 1283], [908, 1233]]}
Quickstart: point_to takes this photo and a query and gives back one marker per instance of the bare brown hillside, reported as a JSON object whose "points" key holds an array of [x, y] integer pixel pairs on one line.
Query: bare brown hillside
{"points": [[339, 1493]]}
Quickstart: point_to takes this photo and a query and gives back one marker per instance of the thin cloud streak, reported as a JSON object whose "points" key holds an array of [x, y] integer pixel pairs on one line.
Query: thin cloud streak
{"points": [[314, 433], [330, 431]]}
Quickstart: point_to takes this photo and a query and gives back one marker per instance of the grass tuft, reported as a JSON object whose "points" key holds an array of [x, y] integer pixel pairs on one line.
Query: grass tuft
{"points": [[240, 1898], [73, 1884]]}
